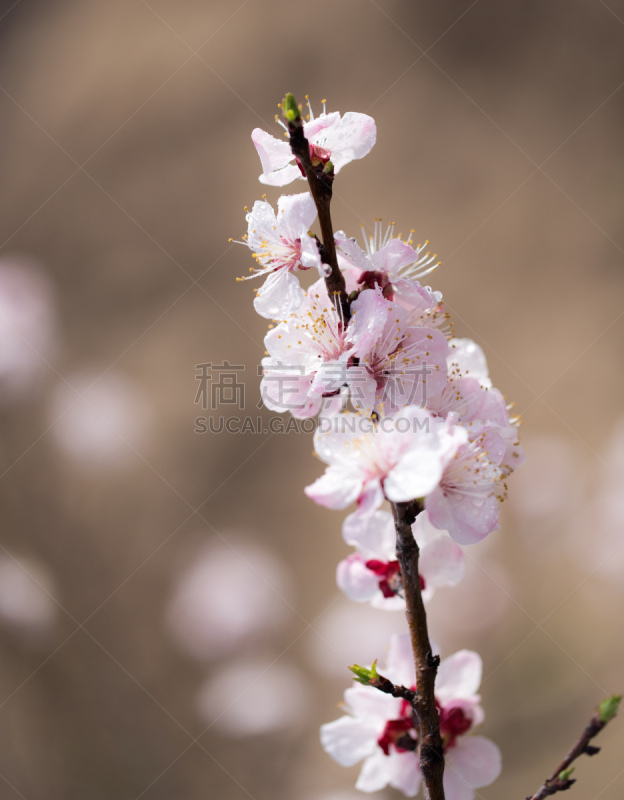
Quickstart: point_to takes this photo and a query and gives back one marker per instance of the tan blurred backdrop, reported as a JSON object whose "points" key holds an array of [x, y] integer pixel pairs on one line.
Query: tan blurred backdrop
{"points": [[126, 161]]}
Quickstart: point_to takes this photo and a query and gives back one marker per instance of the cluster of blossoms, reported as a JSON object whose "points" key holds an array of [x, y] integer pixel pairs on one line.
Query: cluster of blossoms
{"points": [[379, 729], [407, 415]]}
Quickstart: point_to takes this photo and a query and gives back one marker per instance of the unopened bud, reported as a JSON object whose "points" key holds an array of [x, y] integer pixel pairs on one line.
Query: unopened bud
{"points": [[290, 108], [608, 708]]}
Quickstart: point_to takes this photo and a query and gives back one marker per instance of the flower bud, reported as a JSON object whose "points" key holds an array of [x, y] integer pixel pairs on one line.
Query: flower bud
{"points": [[290, 108], [608, 708], [364, 675]]}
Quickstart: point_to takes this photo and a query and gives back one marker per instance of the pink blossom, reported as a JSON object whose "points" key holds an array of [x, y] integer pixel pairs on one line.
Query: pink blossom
{"points": [[372, 573], [378, 729], [469, 391], [308, 354], [471, 401], [394, 266], [331, 137], [400, 458], [312, 354], [469, 394], [281, 245], [467, 358], [466, 502], [390, 257], [403, 366]]}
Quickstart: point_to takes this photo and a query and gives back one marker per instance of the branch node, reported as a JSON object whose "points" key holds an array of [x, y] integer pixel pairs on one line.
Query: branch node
{"points": [[430, 755]]}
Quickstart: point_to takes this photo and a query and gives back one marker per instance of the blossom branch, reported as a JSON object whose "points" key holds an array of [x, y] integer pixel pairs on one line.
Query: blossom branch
{"points": [[423, 703], [462, 436], [320, 177], [560, 780]]}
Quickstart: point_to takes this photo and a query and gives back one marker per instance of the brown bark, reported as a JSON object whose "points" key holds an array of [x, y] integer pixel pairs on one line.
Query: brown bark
{"points": [[423, 704], [321, 184]]}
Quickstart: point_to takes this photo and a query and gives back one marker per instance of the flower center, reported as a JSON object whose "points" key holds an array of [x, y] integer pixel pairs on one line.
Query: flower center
{"points": [[390, 578], [401, 734], [453, 723], [372, 278], [318, 155]]}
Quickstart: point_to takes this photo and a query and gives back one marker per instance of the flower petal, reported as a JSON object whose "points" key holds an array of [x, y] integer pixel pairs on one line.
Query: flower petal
{"points": [[468, 518], [355, 579], [416, 475], [333, 437], [281, 177], [459, 675], [362, 389], [353, 137], [368, 318], [374, 773], [351, 252], [400, 662], [295, 214], [373, 535], [371, 497], [310, 256], [349, 740], [455, 787], [336, 488], [318, 128], [469, 358], [476, 759], [404, 773], [441, 559], [280, 295], [393, 256], [274, 153], [369, 703]]}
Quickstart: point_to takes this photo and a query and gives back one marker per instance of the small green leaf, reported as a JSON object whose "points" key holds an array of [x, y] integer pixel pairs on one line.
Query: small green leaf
{"points": [[328, 168], [608, 708], [564, 775], [365, 675]]}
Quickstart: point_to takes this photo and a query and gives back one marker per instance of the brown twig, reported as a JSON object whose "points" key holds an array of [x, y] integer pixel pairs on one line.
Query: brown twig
{"points": [[386, 686], [423, 703], [560, 780], [320, 178]]}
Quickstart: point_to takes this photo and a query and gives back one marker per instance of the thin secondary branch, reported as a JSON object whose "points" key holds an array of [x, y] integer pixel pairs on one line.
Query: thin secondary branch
{"points": [[386, 686], [320, 176], [560, 780], [424, 705]]}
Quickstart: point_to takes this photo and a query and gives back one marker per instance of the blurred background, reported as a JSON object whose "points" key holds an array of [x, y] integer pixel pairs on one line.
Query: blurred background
{"points": [[169, 622]]}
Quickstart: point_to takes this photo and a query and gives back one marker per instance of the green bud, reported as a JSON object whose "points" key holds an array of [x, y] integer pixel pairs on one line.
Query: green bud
{"points": [[364, 675], [328, 169], [608, 708], [564, 775], [290, 108]]}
